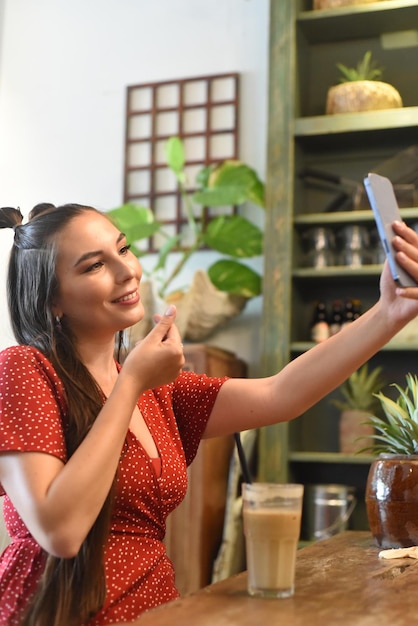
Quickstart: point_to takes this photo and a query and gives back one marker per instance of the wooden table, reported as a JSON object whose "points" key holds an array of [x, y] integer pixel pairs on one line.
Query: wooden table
{"points": [[339, 582]]}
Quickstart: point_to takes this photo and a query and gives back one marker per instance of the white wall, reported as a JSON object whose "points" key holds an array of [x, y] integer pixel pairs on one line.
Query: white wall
{"points": [[64, 69]]}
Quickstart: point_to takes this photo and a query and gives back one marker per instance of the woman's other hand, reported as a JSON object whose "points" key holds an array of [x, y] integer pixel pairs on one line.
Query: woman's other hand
{"points": [[158, 358], [402, 302]]}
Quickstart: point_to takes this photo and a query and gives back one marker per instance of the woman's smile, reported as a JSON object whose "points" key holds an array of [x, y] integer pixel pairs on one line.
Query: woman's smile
{"points": [[130, 298]]}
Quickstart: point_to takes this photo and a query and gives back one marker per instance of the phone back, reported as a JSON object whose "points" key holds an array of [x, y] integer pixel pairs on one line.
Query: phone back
{"points": [[385, 210]]}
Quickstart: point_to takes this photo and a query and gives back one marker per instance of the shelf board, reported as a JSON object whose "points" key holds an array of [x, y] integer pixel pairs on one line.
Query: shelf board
{"points": [[331, 457], [359, 21], [346, 217], [364, 121], [338, 271], [301, 346], [298, 347]]}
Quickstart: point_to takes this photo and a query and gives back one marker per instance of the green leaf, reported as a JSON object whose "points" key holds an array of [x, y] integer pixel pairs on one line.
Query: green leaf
{"points": [[174, 154], [166, 248], [202, 177], [235, 278], [360, 390], [347, 74], [232, 182], [135, 221], [257, 194], [398, 433], [219, 197], [366, 69], [234, 235]]}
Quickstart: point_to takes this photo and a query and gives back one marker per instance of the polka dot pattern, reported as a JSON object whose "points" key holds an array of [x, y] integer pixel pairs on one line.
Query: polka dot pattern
{"points": [[139, 574]]}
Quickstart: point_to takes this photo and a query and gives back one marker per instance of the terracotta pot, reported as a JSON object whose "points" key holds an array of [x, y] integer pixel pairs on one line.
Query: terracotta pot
{"points": [[353, 431], [392, 500]]}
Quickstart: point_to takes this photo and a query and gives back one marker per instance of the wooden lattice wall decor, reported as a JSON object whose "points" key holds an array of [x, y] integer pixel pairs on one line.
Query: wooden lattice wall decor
{"points": [[203, 112]]}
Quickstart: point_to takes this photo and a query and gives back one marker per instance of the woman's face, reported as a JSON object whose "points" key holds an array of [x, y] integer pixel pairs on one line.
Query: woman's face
{"points": [[98, 278]]}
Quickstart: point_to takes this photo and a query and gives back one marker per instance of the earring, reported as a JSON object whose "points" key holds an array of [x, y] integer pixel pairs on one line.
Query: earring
{"points": [[58, 322]]}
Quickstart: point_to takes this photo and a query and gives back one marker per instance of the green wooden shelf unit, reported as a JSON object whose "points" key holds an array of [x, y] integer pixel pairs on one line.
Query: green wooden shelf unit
{"points": [[305, 46], [346, 217]]}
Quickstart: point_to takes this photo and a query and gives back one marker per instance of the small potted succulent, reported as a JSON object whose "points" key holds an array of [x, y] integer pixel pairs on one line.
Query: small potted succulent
{"points": [[392, 485], [359, 403], [334, 4], [360, 89]]}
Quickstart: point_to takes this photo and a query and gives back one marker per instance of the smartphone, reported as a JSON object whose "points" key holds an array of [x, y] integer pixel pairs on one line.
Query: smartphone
{"points": [[385, 209]]}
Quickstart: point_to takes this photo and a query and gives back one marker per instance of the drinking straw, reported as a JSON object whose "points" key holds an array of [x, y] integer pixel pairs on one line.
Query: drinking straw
{"points": [[243, 461]]}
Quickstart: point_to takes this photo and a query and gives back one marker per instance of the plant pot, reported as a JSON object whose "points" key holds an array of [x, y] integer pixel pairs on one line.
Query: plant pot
{"points": [[392, 500], [362, 95], [354, 433], [334, 4]]}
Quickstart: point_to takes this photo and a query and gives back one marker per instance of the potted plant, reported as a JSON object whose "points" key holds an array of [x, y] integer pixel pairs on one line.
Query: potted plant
{"points": [[361, 89], [334, 4], [222, 291], [359, 403], [392, 484]]}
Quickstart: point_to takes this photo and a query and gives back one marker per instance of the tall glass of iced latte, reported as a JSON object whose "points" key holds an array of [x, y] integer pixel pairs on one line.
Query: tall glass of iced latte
{"points": [[272, 519]]}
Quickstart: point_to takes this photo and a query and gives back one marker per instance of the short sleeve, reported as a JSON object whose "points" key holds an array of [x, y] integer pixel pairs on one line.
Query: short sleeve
{"points": [[32, 403], [193, 398]]}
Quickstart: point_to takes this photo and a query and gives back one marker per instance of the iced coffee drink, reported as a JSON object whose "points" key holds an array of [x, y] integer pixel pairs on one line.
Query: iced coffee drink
{"points": [[272, 520]]}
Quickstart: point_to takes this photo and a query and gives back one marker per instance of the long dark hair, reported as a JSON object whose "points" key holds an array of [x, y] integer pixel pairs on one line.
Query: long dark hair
{"points": [[71, 590]]}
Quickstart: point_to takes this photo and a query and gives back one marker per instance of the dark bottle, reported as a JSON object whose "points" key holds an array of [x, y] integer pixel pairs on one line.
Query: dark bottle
{"points": [[348, 316], [356, 309], [336, 317], [320, 326]]}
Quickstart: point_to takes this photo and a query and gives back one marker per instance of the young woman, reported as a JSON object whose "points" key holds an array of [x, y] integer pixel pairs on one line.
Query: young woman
{"points": [[93, 455]]}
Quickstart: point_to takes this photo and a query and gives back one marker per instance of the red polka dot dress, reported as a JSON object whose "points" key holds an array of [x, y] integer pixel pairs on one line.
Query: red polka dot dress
{"points": [[139, 574]]}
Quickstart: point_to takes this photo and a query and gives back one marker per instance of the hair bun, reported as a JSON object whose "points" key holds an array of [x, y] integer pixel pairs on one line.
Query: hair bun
{"points": [[10, 217], [41, 208]]}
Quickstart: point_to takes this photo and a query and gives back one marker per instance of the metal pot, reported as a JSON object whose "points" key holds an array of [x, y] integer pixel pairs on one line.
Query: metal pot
{"points": [[327, 510]]}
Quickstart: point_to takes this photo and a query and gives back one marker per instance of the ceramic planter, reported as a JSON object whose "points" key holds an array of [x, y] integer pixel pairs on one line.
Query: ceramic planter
{"points": [[392, 500], [354, 432], [333, 4], [362, 95]]}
